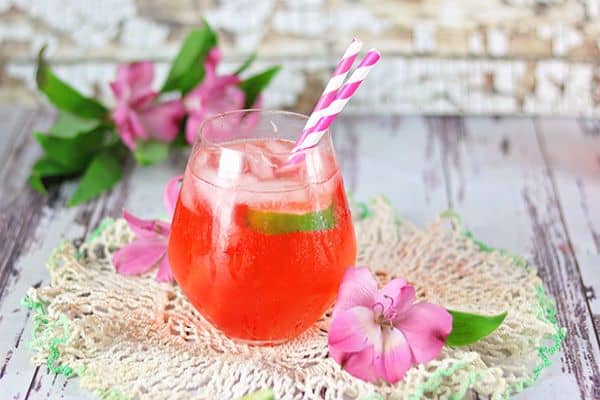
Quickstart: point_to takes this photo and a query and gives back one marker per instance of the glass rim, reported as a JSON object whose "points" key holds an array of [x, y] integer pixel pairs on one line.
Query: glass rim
{"points": [[200, 140]]}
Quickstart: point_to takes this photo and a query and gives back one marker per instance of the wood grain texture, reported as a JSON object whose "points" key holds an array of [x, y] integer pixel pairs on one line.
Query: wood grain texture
{"points": [[31, 226], [508, 177], [572, 149], [395, 156], [501, 184]]}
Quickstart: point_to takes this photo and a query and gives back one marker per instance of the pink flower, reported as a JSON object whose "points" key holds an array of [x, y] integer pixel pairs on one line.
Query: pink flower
{"points": [[216, 94], [149, 248], [136, 114], [380, 334]]}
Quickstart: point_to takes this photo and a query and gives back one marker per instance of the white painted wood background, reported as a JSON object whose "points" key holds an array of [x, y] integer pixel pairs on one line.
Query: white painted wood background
{"points": [[528, 185], [439, 56]]}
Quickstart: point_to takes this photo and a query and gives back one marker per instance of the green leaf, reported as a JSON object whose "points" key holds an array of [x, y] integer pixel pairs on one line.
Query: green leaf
{"points": [[64, 96], [255, 84], [69, 125], [469, 328], [103, 172], [179, 141], [245, 64], [35, 181], [187, 69], [266, 394], [71, 152], [47, 167], [150, 152]]}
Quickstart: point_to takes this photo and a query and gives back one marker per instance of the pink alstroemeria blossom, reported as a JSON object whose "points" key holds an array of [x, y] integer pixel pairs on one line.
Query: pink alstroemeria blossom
{"points": [[149, 248], [378, 334], [216, 94], [137, 115]]}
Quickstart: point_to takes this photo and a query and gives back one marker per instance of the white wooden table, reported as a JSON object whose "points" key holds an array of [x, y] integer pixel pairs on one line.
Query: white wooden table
{"points": [[528, 185]]}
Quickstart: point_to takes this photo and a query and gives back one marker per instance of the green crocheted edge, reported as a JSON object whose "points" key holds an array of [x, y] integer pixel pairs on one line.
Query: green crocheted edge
{"points": [[42, 327], [105, 223], [364, 211], [546, 311]]}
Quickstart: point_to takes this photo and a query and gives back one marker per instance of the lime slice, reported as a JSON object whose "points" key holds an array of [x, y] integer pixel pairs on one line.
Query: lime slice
{"points": [[275, 223]]}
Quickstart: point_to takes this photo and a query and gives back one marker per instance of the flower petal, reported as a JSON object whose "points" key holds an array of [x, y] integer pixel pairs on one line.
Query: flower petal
{"points": [[395, 357], [171, 193], [361, 365], [133, 85], [164, 273], [212, 60], [136, 75], [126, 127], [354, 329], [250, 120], [135, 125], [118, 89], [358, 288], [258, 103], [224, 95], [426, 327], [139, 256], [396, 297], [161, 121], [147, 228], [192, 127], [143, 99]]}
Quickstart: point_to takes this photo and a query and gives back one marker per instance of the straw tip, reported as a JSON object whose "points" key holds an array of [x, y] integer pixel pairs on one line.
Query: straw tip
{"points": [[374, 53], [355, 45]]}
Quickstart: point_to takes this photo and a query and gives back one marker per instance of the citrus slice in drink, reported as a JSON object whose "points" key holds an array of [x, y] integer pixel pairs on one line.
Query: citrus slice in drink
{"points": [[271, 222]]}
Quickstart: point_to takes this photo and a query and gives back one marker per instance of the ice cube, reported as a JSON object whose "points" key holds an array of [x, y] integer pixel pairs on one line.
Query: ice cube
{"points": [[259, 164], [274, 194], [246, 181], [290, 170], [277, 185], [231, 164], [278, 146]]}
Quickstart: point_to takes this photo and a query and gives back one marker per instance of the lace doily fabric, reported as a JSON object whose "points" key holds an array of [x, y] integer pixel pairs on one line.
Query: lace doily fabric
{"points": [[132, 337]]}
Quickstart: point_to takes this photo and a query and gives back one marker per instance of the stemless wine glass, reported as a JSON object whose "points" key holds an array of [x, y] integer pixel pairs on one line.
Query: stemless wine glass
{"points": [[257, 245]]}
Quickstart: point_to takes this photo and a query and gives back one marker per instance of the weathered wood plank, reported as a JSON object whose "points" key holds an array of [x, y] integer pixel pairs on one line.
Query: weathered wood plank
{"points": [[573, 155], [394, 156], [31, 226], [61, 223], [12, 120], [56, 225], [499, 182], [20, 212], [20, 207]]}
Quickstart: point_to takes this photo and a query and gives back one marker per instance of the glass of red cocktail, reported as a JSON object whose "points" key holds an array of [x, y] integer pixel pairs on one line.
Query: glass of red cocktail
{"points": [[257, 244]]}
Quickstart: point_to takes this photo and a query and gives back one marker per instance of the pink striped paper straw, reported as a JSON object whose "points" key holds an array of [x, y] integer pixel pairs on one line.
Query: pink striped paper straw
{"points": [[337, 80], [312, 135]]}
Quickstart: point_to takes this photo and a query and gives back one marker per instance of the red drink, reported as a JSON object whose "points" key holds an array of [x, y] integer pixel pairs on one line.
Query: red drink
{"points": [[260, 251]]}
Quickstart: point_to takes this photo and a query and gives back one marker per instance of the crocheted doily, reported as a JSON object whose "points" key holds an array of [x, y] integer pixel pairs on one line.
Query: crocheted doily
{"points": [[131, 337]]}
